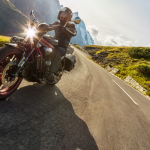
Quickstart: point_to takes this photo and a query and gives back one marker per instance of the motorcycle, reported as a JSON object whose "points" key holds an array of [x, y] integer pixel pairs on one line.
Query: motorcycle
{"points": [[29, 58]]}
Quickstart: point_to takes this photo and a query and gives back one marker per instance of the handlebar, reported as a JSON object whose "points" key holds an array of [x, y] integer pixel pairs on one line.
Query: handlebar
{"points": [[51, 28]]}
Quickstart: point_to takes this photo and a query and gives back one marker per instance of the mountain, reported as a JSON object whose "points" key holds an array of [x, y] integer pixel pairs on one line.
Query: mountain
{"points": [[10, 18], [83, 37], [45, 10], [15, 12]]}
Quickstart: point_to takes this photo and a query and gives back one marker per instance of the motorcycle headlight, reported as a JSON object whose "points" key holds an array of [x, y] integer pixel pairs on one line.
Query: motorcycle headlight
{"points": [[31, 32]]}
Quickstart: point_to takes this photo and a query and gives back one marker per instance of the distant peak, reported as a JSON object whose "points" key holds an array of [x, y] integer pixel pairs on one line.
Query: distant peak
{"points": [[61, 6], [76, 13]]}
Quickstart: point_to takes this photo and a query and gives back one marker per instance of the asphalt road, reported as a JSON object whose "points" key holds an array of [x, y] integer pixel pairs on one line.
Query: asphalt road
{"points": [[89, 109]]}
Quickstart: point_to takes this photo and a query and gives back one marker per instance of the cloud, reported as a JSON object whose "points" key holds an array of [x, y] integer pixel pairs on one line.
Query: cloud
{"points": [[109, 40], [94, 31], [116, 41]]}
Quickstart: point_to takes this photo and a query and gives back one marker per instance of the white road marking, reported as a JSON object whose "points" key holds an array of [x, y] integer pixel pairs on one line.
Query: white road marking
{"points": [[114, 75], [127, 94]]}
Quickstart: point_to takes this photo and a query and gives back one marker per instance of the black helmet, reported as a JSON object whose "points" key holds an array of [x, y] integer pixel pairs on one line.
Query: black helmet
{"points": [[67, 10]]}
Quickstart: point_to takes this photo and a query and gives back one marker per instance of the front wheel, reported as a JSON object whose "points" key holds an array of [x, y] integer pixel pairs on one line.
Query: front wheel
{"points": [[9, 57]]}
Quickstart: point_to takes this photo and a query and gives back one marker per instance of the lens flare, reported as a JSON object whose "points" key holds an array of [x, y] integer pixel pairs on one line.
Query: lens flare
{"points": [[31, 33]]}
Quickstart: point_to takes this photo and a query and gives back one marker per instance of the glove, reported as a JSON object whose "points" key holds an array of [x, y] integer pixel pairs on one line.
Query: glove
{"points": [[71, 29]]}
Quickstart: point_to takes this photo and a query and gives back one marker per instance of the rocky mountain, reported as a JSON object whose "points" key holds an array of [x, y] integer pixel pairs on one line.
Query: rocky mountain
{"points": [[45, 10], [83, 37], [17, 12], [10, 18]]}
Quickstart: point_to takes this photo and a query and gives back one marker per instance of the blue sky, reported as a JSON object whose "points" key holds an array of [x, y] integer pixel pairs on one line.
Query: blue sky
{"points": [[115, 22]]}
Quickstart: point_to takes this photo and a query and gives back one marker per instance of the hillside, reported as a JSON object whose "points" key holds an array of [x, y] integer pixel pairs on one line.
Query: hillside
{"points": [[45, 10], [11, 18], [132, 61]]}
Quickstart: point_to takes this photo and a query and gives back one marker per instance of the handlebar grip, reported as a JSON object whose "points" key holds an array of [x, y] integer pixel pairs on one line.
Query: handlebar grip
{"points": [[50, 28]]}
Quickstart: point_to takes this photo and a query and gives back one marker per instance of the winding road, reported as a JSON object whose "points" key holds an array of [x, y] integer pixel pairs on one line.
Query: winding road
{"points": [[89, 109]]}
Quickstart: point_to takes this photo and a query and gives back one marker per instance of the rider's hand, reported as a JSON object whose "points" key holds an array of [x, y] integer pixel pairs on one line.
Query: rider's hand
{"points": [[71, 29]]}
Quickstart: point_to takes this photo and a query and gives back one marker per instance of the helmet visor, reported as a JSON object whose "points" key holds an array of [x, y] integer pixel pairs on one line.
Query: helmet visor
{"points": [[63, 9], [67, 10]]}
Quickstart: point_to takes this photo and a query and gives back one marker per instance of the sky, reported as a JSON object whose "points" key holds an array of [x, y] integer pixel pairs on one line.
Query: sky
{"points": [[114, 22]]}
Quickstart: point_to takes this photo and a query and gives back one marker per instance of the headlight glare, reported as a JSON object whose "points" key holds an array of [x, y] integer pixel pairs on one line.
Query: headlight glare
{"points": [[31, 32]]}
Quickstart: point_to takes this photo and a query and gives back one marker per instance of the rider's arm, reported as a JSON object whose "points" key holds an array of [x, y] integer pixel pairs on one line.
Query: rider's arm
{"points": [[71, 30], [52, 26]]}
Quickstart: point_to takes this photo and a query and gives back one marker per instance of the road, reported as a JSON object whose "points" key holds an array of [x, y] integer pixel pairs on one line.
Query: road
{"points": [[89, 109]]}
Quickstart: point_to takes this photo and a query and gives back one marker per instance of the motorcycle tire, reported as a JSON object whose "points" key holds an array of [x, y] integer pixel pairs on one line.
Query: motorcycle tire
{"points": [[7, 55]]}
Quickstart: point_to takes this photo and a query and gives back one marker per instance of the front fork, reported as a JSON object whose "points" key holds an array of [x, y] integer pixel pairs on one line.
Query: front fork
{"points": [[22, 62]]}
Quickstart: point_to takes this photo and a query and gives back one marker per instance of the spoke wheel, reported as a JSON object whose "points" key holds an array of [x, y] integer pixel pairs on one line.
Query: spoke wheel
{"points": [[8, 64]]}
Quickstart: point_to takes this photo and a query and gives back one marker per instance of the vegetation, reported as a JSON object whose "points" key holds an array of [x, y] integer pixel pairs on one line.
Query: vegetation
{"points": [[145, 69], [3, 40], [139, 52], [92, 47], [77, 46], [132, 61]]}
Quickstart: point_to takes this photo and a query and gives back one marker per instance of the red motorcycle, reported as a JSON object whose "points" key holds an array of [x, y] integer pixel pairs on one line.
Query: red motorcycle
{"points": [[29, 58]]}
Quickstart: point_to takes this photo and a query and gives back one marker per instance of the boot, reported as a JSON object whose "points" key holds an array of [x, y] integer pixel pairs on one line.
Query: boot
{"points": [[50, 77]]}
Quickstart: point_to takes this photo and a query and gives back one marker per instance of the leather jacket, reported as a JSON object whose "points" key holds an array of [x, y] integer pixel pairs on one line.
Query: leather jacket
{"points": [[62, 35]]}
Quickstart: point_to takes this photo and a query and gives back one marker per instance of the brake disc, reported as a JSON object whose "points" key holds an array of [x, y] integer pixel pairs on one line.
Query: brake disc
{"points": [[5, 81]]}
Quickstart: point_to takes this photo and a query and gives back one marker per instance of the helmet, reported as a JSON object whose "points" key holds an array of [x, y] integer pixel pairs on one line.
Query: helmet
{"points": [[67, 10]]}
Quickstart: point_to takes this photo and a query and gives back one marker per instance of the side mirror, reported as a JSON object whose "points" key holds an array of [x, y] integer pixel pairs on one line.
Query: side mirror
{"points": [[32, 14], [77, 20]]}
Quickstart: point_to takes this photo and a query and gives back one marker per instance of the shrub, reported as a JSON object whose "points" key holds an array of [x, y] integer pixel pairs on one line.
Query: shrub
{"points": [[139, 52], [135, 60], [148, 93], [142, 59], [145, 69], [123, 73]]}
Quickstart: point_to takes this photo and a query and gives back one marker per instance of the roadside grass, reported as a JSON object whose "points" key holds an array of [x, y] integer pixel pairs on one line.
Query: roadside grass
{"points": [[3, 40], [92, 47], [131, 61], [80, 48], [77, 46]]}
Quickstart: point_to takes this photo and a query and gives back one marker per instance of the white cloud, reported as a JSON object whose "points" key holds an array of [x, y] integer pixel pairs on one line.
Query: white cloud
{"points": [[109, 40]]}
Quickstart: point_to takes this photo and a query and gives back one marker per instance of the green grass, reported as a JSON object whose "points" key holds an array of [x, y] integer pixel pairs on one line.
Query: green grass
{"points": [[128, 62], [92, 47], [77, 46], [3, 40]]}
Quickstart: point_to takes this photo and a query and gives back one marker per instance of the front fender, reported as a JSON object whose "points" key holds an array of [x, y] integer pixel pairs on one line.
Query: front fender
{"points": [[13, 45]]}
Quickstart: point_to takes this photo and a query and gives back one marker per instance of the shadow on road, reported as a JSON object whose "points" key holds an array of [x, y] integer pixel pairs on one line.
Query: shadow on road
{"points": [[39, 117]]}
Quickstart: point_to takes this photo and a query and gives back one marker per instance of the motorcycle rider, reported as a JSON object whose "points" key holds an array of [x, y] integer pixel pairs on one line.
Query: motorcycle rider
{"points": [[63, 35]]}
